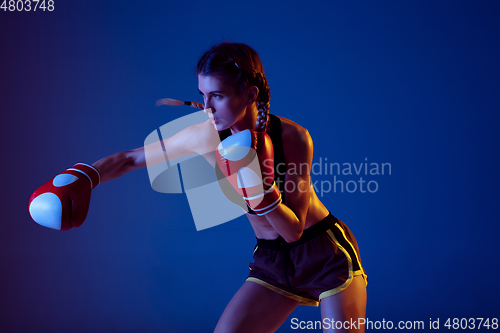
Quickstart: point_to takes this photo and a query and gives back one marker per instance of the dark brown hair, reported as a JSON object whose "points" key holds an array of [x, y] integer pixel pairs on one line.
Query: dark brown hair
{"points": [[239, 65]]}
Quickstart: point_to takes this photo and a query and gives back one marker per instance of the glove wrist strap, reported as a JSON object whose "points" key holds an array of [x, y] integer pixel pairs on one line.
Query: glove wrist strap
{"points": [[89, 171]]}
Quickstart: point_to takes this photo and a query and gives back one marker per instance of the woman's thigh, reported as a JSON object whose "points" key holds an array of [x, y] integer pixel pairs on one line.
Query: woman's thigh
{"points": [[346, 306], [255, 308]]}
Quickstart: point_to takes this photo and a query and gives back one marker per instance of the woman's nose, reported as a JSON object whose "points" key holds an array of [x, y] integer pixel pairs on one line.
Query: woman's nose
{"points": [[209, 110], [208, 105]]}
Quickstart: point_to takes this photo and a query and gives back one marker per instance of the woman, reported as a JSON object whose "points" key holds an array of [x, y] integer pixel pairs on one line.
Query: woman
{"points": [[303, 255]]}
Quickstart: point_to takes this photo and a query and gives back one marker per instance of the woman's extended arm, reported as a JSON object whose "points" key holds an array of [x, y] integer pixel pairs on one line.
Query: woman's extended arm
{"points": [[188, 141], [117, 165]]}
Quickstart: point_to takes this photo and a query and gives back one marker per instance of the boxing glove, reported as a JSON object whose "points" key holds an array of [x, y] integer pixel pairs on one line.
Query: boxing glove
{"points": [[63, 202], [246, 159]]}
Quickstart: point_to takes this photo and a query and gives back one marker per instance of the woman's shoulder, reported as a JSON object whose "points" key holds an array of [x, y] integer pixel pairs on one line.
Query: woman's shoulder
{"points": [[294, 134], [206, 137], [197, 138]]}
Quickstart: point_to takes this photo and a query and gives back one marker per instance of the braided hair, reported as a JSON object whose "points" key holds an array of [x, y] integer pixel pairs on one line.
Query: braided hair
{"points": [[239, 65]]}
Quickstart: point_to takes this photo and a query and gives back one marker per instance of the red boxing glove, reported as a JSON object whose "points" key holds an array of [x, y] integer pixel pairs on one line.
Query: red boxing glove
{"points": [[63, 202], [242, 157]]}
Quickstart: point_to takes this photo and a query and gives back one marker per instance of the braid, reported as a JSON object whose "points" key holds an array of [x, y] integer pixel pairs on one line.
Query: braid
{"points": [[263, 102]]}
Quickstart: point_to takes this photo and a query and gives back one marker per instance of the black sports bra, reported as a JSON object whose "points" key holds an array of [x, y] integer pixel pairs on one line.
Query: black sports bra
{"points": [[274, 131]]}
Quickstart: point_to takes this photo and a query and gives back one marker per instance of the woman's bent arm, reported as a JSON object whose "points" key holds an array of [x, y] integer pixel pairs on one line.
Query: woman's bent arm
{"points": [[289, 220]]}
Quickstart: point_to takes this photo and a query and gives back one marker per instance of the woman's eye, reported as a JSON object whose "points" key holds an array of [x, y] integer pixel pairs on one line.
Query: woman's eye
{"points": [[216, 95]]}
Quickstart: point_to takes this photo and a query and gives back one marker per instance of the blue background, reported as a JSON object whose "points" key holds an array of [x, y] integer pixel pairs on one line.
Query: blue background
{"points": [[411, 83]]}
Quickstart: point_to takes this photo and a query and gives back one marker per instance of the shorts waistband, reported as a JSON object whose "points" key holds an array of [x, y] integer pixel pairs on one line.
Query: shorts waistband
{"points": [[308, 234]]}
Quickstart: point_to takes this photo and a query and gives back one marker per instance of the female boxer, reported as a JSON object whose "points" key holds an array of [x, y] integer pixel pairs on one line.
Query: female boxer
{"points": [[304, 255]]}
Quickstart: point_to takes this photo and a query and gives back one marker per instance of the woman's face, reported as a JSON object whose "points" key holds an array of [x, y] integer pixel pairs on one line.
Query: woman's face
{"points": [[227, 107]]}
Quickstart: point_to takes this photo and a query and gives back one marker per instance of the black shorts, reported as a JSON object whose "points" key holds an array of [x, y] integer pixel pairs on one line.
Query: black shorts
{"points": [[321, 263]]}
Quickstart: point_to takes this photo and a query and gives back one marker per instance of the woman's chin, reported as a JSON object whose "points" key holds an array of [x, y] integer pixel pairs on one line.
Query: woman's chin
{"points": [[219, 125]]}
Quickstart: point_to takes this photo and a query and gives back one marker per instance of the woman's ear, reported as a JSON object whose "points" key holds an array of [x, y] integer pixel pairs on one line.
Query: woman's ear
{"points": [[252, 94]]}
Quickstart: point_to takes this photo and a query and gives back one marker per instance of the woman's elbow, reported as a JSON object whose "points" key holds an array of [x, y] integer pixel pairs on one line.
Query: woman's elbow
{"points": [[293, 236]]}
